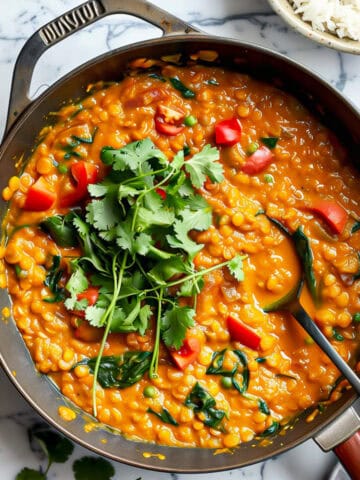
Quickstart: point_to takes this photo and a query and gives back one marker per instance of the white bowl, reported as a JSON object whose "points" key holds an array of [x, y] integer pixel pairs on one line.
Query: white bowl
{"points": [[285, 10]]}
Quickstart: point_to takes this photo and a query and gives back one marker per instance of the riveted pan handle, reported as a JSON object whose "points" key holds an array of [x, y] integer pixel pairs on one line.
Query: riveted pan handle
{"points": [[69, 23]]}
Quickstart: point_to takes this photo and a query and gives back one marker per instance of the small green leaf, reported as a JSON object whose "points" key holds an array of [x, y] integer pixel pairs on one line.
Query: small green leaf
{"points": [[235, 267], [355, 227], [200, 400], [185, 91], [272, 430], [93, 468], [56, 447], [263, 407], [30, 474], [303, 249], [270, 142], [53, 281], [120, 371], [61, 229], [205, 164], [175, 322], [165, 416]]}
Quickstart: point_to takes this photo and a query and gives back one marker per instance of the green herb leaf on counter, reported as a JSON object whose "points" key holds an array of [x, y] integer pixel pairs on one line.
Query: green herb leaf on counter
{"points": [[93, 468], [30, 474], [165, 416], [56, 447]]}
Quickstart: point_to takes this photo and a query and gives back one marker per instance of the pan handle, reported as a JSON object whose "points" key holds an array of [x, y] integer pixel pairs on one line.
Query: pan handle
{"points": [[69, 23], [343, 436]]}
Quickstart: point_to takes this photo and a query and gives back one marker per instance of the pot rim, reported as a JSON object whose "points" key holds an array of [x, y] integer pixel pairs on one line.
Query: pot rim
{"points": [[66, 429]]}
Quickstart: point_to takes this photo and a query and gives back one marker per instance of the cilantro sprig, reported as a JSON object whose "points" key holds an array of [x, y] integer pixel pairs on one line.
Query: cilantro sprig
{"points": [[136, 245]]}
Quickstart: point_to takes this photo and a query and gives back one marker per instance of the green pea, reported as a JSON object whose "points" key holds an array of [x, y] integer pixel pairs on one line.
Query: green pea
{"points": [[252, 148], [62, 168], [268, 178], [150, 391], [190, 121], [226, 382], [356, 317]]}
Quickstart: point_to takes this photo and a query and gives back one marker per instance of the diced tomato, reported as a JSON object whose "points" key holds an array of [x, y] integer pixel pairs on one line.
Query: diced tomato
{"points": [[83, 174], [91, 294], [161, 192], [243, 334], [40, 196], [187, 353], [258, 161], [333, 214], [228, 132], [168, 121], [87, 333]]}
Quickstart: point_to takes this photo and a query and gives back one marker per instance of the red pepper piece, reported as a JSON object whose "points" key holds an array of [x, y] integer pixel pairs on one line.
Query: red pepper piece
{"points": [[40, 197], [228, 132], [161, 192], [168, 120], [83, 174], [333, 214], [258, 161], [187, 353], [241, 333], [91, 294]]}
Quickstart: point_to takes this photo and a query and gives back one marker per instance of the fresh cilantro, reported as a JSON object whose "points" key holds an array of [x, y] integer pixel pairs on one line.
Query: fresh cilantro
{"points": [[235, 267], [30, 474], [93, 468], [165, 416], [204, 164], [136, 244], [175, 322]]}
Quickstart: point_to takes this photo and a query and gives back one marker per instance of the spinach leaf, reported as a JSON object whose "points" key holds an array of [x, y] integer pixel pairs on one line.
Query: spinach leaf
{"points": [[157, 76], [202, 402], [212, 81], [52, 281], [185, 91], [270, 142], [263, 407], [165, 416], [216, 365], [355, 227], [239, 378], [85, 140], [303, 249], [120, 371], [272, 430], [61, 229]]}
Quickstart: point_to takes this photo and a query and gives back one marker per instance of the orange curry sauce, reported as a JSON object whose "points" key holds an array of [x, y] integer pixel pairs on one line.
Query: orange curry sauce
{"points": [[287, 371]]}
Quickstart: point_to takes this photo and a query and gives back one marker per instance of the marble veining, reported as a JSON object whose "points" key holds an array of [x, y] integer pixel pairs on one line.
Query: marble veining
{"points": [[247, 20]]}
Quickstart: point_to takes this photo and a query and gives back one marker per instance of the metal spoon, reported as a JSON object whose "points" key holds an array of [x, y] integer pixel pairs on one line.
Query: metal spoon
{"points": [[291, 303]]}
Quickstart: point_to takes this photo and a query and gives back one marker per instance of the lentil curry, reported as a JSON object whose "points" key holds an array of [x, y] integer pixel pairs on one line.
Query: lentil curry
{"points": [[145, 237]]}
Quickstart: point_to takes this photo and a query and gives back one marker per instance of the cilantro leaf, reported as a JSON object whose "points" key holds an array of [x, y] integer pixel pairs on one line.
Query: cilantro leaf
{"points": [[205, 164], [95, 315], [30, 474], [132, 156], [166, 269], [103, 214], [77, 283], [56, 447], [235, 267], [93, 468], [174, 324], [191, 288], [182, 240]]}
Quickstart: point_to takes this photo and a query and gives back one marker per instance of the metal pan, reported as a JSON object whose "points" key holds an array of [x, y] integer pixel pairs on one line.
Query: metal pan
{"points": [[26, 118]]}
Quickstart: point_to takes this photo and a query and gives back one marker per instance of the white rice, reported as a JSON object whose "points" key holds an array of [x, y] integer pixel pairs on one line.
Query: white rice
{"points": [[340, 17]]}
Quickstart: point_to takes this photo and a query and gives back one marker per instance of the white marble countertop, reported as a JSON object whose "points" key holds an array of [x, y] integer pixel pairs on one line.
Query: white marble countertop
{"points": [[250, 20]]}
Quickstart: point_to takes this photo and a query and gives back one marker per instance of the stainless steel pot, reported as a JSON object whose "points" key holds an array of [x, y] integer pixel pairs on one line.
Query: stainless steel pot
{"points": [[25, 118]]}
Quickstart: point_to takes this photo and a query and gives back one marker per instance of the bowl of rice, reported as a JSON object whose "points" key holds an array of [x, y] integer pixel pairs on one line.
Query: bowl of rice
{"points": [[332, 23]]}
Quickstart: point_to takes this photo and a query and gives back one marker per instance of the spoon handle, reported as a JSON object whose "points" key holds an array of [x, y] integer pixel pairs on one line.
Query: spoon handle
{"points": [[315, 333]]}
